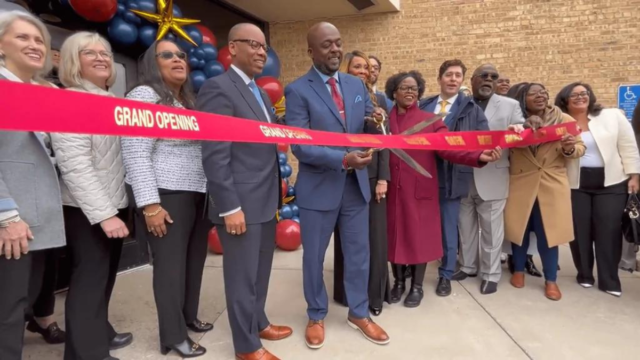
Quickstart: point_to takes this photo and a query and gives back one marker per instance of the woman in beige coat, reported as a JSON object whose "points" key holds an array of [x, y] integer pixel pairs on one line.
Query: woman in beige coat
{"points": [[539, 190]]}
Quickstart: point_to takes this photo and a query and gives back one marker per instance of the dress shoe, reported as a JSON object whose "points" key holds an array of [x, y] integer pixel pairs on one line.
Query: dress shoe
{"points": [[552, 291], [517, 280], [314, 335], [52, 334], [370, 330], [461, 275], [375, 311], [530, 266], [261, 354], [200, 326], [275, 332], [414, 298], [186, 349], [121, 341], [444, 287], [488, 287]]}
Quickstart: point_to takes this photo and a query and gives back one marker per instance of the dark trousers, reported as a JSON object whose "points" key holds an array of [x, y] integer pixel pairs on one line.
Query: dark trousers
{"points": [[43, 298], [449, 212], [549, 256], [178, 262], [378, 268], [94, 262], [16, 277], [417, 272], [246, 266], [597, 211]]}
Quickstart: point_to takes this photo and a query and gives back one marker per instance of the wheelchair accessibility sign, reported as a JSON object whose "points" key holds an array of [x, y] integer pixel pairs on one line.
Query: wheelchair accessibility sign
{"points": [[628, 97]]}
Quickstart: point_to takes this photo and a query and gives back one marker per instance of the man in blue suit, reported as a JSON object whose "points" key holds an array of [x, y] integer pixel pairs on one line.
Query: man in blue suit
{"points": [[453, 179], [333, 184]]}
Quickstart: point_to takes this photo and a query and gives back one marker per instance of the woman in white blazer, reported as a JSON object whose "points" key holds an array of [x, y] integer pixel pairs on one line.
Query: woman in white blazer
{"points": [[608, 173]]}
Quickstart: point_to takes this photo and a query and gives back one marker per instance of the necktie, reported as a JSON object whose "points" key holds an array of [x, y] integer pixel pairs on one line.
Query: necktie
{"points": [[443, 107], [256, 93], [335, 95]]}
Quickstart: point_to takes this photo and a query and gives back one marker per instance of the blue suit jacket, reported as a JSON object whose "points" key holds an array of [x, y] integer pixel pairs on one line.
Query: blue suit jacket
{"points": [[321, 176]]}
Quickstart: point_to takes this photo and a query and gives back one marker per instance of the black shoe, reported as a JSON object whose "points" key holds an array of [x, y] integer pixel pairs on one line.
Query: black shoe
{"points": [[414, 297], [200, 326], [186, 349], [399, 286], [488, 287], [510, 263], [121, 341], [52, 334], [375, 311], [530, 266], [444, 287], [461, 275]]}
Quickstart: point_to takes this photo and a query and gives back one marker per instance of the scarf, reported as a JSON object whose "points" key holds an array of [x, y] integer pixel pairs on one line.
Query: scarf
{"points": [[552, 116]]}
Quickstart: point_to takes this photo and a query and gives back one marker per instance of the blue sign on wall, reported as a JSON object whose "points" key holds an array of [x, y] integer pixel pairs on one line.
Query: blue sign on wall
{"points": [[628, 97]]}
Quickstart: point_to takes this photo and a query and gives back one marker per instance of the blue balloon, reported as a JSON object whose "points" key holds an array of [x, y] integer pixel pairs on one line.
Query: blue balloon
{"points": [[286, 170], [146, 5], [194, 63], [119, 1], [195, 35], [197, 53], [213, 68], [147, 35], [201, 63], [286, 212], [198, 78], [291, 191], [132, 18], [272, 67], [170, 36], [133, 5], [210, 52], [296, 219], [121, 9], [65, 3], [122, 32], [176, 11], [295, 209], [282, 158]]}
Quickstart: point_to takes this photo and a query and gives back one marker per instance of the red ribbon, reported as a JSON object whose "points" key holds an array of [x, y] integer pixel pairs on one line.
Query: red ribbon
{"points": [[27, 107]]}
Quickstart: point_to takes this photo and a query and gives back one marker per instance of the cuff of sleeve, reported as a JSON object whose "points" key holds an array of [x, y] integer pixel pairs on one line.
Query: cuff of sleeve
{"points": [[8, 214], [230, 212]]}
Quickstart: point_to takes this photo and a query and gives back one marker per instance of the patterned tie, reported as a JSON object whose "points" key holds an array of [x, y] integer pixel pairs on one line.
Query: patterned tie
{"points": [[443, 107], [335, 95], [256, 93]]}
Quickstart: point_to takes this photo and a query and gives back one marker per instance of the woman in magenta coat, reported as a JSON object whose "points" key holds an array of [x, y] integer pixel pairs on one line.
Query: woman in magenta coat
{"points": [[413, 213]]}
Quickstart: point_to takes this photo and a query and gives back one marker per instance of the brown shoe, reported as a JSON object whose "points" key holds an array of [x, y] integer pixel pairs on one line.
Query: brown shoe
{"points": [[371, 331], [314, 336], [517, 280], [552, 291], [275, 332], [261, 354]]}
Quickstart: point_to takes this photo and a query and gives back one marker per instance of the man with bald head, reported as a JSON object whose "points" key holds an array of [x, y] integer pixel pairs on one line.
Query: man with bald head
{"points": [[332, 187], [244, 184], [482, 209]]}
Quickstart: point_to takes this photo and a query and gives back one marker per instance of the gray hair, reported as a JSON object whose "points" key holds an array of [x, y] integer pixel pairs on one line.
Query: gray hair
{"points": [[69, 72], [7, 18]]}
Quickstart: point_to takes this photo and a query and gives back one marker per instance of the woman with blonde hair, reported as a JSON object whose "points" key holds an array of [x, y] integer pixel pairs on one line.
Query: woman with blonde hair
{"points": [[95, 205], [357, 64]]}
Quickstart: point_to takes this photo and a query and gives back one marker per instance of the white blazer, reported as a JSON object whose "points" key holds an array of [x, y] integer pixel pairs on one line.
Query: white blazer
{"points": [[616, 141]]}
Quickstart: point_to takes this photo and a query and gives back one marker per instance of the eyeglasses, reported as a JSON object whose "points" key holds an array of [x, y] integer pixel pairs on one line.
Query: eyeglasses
{"points": [[582, 94], [255, 45], [486, 76], [408, 88], [168, 55], [542, 92], [92, 54]]}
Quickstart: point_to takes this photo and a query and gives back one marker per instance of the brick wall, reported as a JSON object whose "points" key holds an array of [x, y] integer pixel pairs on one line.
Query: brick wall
{"points": [[548, 41]]}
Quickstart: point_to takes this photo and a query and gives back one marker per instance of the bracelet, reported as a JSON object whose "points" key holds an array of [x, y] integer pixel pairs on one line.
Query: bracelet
{"points": [[569, 153], [9, 221], [153, 213]]}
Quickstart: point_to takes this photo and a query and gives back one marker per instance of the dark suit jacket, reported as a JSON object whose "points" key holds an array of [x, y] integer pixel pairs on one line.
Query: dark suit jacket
{"points": [[243, 175], [379, 167]]}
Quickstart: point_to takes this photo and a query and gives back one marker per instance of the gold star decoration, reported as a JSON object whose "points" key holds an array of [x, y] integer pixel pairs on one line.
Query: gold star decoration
{"points": [[165, 20]]}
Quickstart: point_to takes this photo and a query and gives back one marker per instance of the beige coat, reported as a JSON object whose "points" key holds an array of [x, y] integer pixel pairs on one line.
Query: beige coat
{"points": [[546, 176]]}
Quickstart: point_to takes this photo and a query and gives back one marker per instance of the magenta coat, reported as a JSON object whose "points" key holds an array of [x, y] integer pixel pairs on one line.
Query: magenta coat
{"points": [[413, 209]]}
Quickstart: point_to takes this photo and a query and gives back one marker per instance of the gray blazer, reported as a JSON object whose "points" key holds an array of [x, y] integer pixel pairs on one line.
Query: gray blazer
{"points": [[492, 181], [242, 175]]}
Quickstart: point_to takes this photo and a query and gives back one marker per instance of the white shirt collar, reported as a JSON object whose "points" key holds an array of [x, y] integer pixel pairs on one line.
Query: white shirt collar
{"points": [[244, 76], [11, 76], [450, 101]]}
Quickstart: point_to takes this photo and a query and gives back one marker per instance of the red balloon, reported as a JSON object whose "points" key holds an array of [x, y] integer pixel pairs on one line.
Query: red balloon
{"points": [[207, 35], [285, 188], [214, 241], [283, 148], [95, 10], [272, 87], [288, 235], [224, 57]]}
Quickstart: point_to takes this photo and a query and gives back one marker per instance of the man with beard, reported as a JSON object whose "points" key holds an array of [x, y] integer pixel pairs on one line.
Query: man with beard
{"points": [[333, 184], [376, 68], [488, 190], [462, 115]]}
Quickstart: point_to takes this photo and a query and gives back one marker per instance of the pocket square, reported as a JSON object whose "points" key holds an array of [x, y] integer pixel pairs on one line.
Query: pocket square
{"points": [[358, 99]]}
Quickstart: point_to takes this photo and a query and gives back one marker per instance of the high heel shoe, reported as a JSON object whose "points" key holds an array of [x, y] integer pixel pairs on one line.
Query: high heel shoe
{"points": [[186, 349], [200, 326]]}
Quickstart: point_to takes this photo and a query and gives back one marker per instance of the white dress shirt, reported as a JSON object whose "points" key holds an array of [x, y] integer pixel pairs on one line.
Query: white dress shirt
{"points": [[450, 102]]}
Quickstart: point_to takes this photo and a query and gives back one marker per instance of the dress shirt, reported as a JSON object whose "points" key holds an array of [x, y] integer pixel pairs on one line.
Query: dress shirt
{"points": [[248, 80], [449, 104], [326, 78]]}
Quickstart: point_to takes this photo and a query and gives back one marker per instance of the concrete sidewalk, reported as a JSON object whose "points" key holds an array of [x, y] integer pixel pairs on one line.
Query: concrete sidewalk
{"points": [[511, 324]]}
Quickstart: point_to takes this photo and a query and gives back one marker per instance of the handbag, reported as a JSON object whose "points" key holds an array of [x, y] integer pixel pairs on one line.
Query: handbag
{"points": [[631, 220]]}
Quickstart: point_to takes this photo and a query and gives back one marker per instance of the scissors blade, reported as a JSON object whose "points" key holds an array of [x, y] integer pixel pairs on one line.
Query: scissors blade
{"points": [[423, 124], [411, 162]]}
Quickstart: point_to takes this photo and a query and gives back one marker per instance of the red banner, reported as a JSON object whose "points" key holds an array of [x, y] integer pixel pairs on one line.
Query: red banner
{"points": [[27, 107]]}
